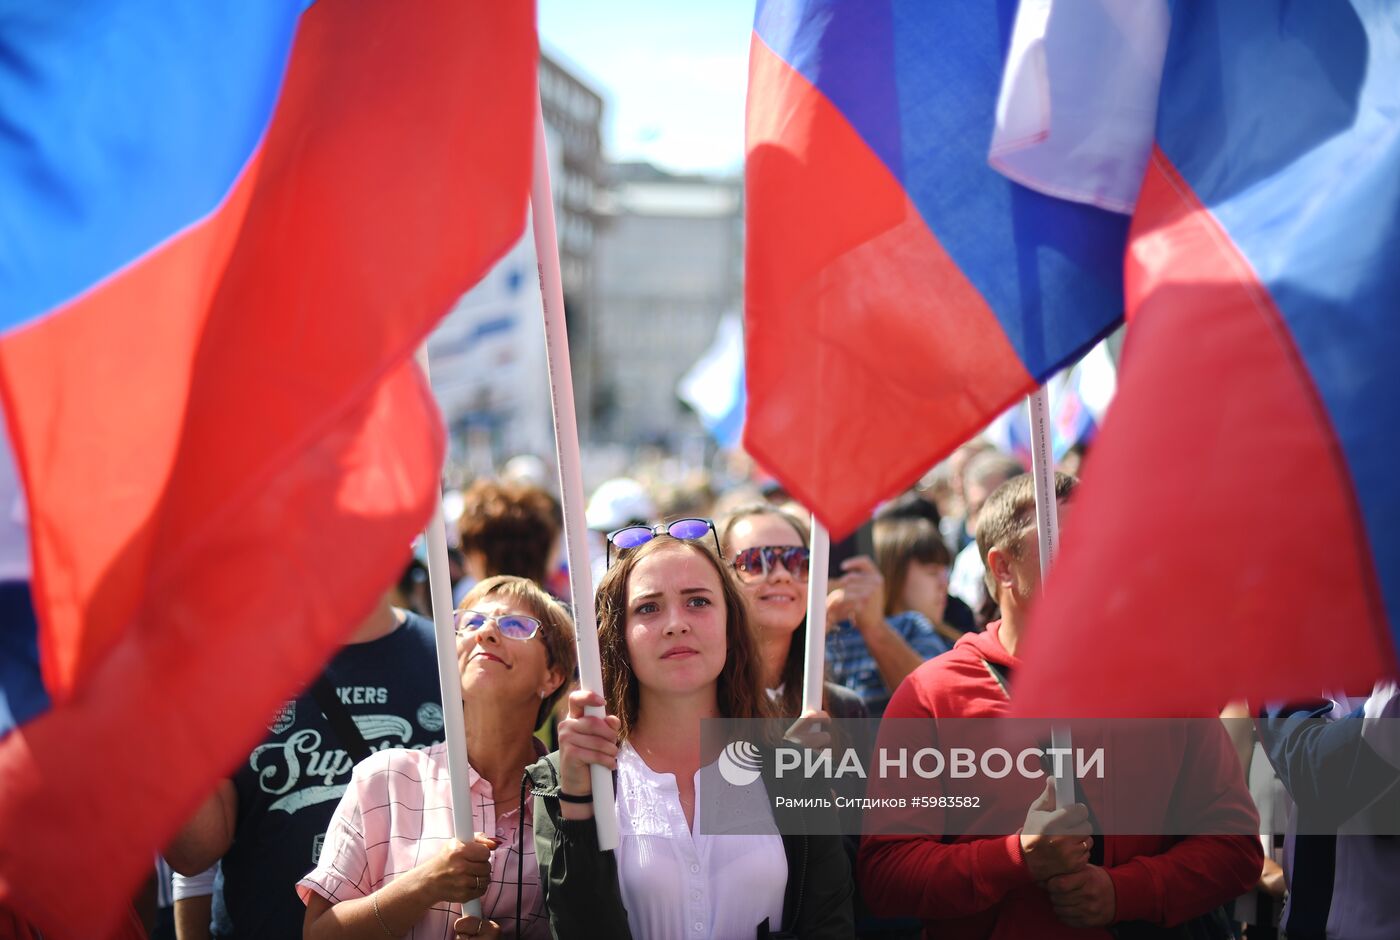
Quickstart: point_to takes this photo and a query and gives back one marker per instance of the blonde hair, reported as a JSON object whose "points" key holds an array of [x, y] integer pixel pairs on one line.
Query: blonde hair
{"points": [[1008, 514], [556, 626]]}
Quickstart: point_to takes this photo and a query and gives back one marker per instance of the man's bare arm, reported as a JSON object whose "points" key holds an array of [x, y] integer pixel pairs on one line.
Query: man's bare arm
{"points": [[208, 834]]}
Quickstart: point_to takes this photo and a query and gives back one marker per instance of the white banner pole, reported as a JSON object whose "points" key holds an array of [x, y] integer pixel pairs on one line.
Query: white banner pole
{"points": [[454, 726], [561, 387], [1047, 517], [1047, 521], [814, 662]]}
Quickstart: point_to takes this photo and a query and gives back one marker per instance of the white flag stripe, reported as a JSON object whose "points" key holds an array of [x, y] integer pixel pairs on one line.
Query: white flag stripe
{"points": [[1077, 110], [714, 386], [14, 516], [1097, 380]]}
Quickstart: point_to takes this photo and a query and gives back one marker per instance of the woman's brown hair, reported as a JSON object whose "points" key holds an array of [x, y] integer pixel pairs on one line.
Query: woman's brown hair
{"points": [[900, 542], [740, 690], [511, 526], [556, 627]]}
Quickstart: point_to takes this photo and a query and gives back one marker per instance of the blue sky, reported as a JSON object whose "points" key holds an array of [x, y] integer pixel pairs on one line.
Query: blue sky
{"points": [[671, 71]]}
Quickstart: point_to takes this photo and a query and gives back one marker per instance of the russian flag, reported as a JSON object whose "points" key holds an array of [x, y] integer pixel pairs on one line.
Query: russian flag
{"points": [[900, 293], [224, 228], [1079, 398], [1236, 535], [714, 386]]}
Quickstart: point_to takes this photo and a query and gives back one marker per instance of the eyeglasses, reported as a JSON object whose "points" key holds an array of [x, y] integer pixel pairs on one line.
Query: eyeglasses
{"points": [[515, 626], [633, 535], [753, 564]]}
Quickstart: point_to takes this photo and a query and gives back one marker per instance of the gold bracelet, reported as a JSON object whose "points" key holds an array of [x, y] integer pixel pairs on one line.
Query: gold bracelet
{"points": [[374, 902]]}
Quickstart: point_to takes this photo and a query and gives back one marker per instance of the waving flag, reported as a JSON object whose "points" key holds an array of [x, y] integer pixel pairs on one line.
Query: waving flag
{"points": [[226, 227], [1236, 535], [1079, 398], [900, 293], [714, 386]]}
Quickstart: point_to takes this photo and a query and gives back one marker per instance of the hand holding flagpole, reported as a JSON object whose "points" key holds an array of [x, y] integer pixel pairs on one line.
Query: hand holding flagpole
{"points": [[566, 445], [454, 726]]}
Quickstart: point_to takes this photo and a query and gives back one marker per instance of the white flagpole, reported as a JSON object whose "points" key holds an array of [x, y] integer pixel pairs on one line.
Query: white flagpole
{"points": [[561, 387], [454, 726], [814, 662], [1047, 520]]}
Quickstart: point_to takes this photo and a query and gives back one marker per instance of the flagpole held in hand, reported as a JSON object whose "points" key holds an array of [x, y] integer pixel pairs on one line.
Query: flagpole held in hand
{"points": [[454, 727], [1047, 521], [566, 445]]}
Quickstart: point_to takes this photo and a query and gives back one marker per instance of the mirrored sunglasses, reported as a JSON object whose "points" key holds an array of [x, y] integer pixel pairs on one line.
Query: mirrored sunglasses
{"points": [[753, 564], [515, 626], [634, 535]]}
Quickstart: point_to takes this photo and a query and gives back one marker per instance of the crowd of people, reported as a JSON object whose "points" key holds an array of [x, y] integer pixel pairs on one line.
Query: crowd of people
{"points": [[339, 824]]}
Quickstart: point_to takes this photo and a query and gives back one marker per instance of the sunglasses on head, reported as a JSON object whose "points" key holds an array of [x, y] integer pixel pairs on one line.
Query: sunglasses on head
{"points": [[633, 535], [515, 626], [753, 564]]}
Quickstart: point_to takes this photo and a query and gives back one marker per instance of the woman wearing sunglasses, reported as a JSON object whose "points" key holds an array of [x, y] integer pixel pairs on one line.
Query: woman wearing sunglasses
{"points": [[676, 649], [768, 548], [390, 864]]}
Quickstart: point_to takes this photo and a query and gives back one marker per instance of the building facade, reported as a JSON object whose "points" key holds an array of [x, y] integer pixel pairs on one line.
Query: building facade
{"points": [[669, 265], [488, 359]]}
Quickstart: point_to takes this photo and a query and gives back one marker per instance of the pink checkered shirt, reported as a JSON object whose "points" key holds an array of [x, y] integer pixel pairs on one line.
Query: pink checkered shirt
{"points": [[397, 813]]}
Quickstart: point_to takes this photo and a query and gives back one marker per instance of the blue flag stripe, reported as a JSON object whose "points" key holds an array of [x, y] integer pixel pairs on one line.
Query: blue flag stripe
{"points": [[100, 164], [918, 82], [1315, 210]]}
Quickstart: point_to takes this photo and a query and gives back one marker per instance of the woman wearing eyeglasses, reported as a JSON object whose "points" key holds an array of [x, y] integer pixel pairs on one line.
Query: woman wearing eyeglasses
{"points": [[390, 864], [676, 649]]}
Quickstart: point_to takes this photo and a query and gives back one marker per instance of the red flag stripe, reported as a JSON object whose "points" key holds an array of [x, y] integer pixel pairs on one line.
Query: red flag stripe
{"points": [[828, 282], [1208, 364], [226, 447]]}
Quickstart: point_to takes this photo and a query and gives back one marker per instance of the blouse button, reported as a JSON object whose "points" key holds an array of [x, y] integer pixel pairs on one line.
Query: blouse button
{"points": [[694, 868], [699, 926]]}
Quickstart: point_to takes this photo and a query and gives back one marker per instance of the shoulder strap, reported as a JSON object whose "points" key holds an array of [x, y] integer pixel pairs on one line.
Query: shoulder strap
{"points": [[346, 731], [999, 674]]}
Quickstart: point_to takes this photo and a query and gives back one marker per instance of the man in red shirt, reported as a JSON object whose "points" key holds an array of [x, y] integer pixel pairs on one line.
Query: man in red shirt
{"points": [[1044, 876]]}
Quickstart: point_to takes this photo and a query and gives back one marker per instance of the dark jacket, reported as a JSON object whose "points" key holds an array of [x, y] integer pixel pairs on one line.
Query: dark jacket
{"points": [[584, 898], [1331, 773]]}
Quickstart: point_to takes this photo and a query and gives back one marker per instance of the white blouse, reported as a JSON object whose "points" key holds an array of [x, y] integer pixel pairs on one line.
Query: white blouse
{"points": [[684, 885]]}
